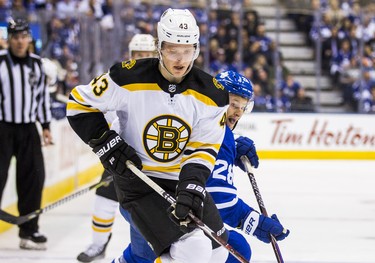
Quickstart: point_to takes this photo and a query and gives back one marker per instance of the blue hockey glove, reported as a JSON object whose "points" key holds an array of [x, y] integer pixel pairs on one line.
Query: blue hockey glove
{"points": [[113, 152], [246, 146], [262, 227]]}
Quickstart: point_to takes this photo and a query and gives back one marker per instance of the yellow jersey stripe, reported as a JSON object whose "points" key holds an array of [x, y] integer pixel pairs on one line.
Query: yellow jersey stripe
{"points": [[142, 87], [200, 155], [168, 169], [76, 95], [196, 145], [202, 98], [79, 107]]}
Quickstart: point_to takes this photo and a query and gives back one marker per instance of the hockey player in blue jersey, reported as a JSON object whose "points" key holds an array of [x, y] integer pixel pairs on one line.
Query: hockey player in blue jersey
{"points": [[233, 210]]}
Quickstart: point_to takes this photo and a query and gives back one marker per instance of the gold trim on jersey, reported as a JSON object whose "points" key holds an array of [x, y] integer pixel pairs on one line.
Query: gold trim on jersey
{"points": [[195, 145], [76, 95], [141, 87], [163, 169], [200, 155], [71, 105], [202, 98]]}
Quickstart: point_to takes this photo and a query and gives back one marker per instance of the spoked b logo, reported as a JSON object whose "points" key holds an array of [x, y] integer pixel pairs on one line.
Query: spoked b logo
{"points": [[165, 137]]}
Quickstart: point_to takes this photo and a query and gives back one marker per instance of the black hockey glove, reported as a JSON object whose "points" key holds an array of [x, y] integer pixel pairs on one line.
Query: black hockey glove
{"points": [[190, 195], [113, 152]]}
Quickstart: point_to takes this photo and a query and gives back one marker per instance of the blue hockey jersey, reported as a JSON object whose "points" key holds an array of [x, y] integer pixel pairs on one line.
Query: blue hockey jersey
{"points": [[220, 183]]}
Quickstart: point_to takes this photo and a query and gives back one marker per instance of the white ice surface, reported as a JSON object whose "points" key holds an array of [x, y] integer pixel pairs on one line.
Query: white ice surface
{"points": [[329, 207]]}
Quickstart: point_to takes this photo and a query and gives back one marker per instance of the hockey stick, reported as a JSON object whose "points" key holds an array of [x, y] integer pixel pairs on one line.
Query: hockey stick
{"points": [[196, 220], [18, 220], [249, 171]]}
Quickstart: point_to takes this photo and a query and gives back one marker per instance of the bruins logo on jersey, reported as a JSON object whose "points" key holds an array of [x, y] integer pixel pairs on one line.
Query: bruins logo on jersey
{"points": [[218, 84], [165, 137], [128, 64]]}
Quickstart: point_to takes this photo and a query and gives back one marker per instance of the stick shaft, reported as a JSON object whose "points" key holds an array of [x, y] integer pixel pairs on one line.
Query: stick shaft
{"points": [[197, 221], [249, 171], [18, 220]]}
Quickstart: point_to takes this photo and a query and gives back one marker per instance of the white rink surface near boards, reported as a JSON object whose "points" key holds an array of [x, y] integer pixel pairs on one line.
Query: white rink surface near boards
{"points": [[329, 206]]}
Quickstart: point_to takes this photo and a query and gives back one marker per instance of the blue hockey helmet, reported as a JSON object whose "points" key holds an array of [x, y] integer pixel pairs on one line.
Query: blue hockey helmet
{"points": [[236, 83]]}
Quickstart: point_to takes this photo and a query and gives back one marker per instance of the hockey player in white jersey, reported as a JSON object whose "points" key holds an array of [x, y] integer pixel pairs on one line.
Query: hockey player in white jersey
{"points": [[233, 210], [171, 125], [105, 203]]}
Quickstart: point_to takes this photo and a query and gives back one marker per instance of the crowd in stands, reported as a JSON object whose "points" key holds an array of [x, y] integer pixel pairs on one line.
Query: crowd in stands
{"points": [[346, 32], [220, 34]]}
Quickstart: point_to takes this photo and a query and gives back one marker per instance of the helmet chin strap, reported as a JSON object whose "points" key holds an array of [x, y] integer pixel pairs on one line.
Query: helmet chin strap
{"points": [[161, 62]]}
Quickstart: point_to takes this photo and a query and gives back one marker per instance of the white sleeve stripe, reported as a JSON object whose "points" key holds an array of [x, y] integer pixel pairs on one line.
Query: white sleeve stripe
{"points": [[221, 190], [227, 204]]}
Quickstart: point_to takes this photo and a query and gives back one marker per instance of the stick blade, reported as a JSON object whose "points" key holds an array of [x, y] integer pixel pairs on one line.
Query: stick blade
{"points": [[11, 219]]}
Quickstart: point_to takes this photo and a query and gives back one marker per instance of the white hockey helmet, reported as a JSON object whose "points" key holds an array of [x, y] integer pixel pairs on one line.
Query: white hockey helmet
{"points": [[178, 26], [142, 42]]}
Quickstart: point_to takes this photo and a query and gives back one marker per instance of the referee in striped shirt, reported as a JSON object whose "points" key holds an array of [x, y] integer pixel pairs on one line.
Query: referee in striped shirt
{"points": [[24, 99]]}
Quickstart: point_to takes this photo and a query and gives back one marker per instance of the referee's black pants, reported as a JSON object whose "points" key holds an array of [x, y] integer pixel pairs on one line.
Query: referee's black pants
{"points": [[23, 142]]}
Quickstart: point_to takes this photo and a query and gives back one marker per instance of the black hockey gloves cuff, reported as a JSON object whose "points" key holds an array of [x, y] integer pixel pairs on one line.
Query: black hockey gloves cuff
{"points": [[113, 152], [190, 195]]}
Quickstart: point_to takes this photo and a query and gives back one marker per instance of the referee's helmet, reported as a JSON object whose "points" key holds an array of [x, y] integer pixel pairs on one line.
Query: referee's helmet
{"points": [[18, 25]]}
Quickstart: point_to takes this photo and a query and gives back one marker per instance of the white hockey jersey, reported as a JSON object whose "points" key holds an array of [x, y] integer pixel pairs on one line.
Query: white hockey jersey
{"points": [[169, 125]]}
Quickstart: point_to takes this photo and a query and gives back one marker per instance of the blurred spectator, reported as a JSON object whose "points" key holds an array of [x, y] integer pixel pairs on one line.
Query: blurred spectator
{"points": [[261, 77], [233, 27], [218, 63], [251, 21], [368, 27], [335, 12], [19, 9], [290, 87], [343, 59], [91, 8], [262, 44], [213, 22], [5, 12], [369, 100], [330, 48], [262, 102], [321, 29], [302, 102], [360, 87], [66, 8], [248, 72], [281, 102], [221, 36]]}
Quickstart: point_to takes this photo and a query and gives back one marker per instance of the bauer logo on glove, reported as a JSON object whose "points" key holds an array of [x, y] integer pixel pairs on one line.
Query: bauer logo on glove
{"points": [[112, 143]]}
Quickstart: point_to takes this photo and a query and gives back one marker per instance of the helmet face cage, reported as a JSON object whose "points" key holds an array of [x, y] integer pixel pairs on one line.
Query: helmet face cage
{"points": [[18, 25], [178, 26], [142, 42], [237, 84]]}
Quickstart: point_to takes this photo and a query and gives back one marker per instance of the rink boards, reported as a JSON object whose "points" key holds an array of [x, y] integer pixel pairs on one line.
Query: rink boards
{"points": [[70, 163]]}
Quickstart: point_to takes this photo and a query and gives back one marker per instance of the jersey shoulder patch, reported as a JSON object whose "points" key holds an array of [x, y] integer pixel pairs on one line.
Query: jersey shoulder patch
{"points": [[209, 86], [132, 71]]}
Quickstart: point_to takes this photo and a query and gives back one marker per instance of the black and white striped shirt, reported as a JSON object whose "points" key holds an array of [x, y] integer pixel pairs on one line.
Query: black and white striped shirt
{"points": [[24, 95]]}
